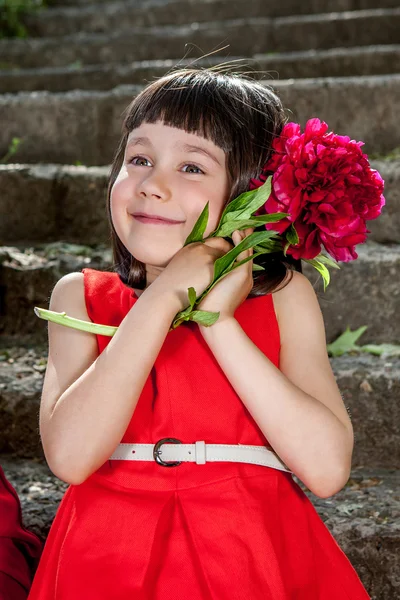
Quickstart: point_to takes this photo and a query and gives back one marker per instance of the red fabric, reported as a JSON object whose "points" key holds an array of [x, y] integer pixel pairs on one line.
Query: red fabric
{"points": [[20, 549], [219, 531]]}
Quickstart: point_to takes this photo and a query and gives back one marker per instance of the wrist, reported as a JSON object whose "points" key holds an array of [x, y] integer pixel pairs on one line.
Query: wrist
{"points": [[168, 296], [222, 324]]}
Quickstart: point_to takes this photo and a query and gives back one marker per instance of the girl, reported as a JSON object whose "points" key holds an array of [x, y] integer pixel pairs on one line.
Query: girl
{"points": [[180, 444]]}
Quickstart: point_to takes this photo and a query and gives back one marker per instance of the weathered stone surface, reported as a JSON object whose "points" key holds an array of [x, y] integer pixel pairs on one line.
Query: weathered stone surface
{"points": [[54, 202], [363, 517], [289, 7], [335, 62], [362, 292], [28, 277], [64, 128], [39, 491], [69, 203], [245, 36], [341, 103], [86, 126], [386, 229], [21, 380], [370, 387], [131, 13]]}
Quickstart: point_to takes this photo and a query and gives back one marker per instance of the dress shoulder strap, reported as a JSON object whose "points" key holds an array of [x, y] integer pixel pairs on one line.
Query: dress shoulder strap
{"points": [[100, 288], [107, 299]]}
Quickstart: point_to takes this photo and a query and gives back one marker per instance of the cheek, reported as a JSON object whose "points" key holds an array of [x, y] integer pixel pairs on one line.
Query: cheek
{"points": [[120, 195], [120, 190]]}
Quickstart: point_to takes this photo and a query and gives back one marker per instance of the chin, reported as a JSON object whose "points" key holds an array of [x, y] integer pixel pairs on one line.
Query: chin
{"points": [[152, 257]]}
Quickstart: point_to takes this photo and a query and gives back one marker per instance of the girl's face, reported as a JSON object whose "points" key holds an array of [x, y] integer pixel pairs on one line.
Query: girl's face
{"points": [[172, 174]]}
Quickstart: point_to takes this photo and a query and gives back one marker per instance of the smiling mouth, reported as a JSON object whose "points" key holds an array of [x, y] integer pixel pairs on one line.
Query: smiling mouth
{"points": [[153, 221]]}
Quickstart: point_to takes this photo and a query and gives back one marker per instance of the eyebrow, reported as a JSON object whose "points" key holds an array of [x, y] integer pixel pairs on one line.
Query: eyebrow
{"points": [[143, 141]]}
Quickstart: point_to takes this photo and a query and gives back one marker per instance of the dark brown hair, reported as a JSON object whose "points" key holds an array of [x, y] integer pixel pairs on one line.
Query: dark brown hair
{"points": [[239, 115]]}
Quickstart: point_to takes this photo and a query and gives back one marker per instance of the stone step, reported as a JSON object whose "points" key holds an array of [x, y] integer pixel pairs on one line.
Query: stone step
{"points": [[85, 126], [82, 3], [361, 292], [335, 62], [246, 36], [131, 13], [370, 387], [363, 517], [289, 7], [61, 192]]}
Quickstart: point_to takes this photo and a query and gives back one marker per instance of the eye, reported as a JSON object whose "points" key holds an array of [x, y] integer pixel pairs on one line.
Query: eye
{"points": [[195, 172], [136, 160]]}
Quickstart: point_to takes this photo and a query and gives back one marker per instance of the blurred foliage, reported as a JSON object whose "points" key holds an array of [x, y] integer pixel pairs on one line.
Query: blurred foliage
{"points": [[12, 13], [12, 149]]}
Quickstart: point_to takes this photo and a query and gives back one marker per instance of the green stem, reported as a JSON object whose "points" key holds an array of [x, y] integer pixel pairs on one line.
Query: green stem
{"points": [[64, 319]]}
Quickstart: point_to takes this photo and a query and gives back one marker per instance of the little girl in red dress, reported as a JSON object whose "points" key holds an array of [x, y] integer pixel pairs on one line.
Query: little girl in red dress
{"points": [[179, 444]]}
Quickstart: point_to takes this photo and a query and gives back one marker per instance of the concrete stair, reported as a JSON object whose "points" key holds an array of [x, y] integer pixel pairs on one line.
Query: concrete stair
{"points": [[361, 28], [63, 91], [334, 62], [131, 13], [85, 126]]}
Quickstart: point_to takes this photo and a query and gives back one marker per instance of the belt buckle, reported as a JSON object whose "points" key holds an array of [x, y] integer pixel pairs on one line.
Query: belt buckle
{"points": [[157, 451]]}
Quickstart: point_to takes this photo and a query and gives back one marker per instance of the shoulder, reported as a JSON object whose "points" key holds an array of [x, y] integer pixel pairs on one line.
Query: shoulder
{"points": [[296, 287], [69, 292], [296, 306], [71, 283]]}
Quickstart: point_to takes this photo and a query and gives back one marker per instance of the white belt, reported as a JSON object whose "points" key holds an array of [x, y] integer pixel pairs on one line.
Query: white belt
{"points": [[174, 452]]}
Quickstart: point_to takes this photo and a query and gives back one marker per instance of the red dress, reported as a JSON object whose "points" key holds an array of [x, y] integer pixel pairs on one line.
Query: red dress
{"points": [[218, 531]]}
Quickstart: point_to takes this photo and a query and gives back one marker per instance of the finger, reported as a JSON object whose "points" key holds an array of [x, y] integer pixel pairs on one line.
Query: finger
{"points": [[219, 243], [237, 237], [250, 230]]}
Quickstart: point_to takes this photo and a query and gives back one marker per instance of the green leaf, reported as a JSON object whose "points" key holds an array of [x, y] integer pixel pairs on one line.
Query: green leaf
{"points": [[200, 316], [327, 260], [227, 228], [225, 261], [321, 269], [292, 235], [269, 246], [257, 267], [381, 349], [346, 342], [192, 296], [285, 248], [197, 233], [247, 203], [204, 317], [241, 262]]}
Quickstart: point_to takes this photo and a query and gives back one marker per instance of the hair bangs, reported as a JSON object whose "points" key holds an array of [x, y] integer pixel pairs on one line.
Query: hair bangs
{"points": [[185, 101]]}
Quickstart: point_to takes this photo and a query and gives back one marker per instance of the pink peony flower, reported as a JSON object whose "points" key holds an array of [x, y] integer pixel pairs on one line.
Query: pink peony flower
{"points": [[326, 184]]}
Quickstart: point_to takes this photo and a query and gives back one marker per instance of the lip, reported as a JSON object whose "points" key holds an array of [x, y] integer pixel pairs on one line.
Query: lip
{"points": [[154, 219]]}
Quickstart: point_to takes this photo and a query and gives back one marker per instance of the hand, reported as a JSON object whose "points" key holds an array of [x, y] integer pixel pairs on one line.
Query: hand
{"points": [[229, 293], [191, 266]]}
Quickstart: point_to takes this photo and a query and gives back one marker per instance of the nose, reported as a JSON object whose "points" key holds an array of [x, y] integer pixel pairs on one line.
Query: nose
{"points": [[154, 185]]}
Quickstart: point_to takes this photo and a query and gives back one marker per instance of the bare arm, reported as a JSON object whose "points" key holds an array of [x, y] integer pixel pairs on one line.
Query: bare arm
{"points": [[298, 407], [89, 399]]}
